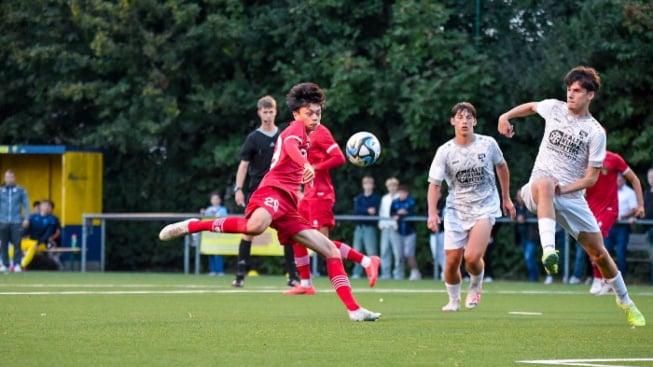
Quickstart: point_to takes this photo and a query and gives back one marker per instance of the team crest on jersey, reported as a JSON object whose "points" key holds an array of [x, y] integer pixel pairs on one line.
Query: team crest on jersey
{"points": [[481, 156]]}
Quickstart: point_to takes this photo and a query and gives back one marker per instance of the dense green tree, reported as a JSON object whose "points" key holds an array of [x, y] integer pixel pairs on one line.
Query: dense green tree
{"points": [[167, 88]]}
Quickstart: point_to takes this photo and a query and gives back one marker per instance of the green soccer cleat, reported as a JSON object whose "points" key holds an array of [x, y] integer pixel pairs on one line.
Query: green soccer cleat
{"points": [[634, 316], [550, 262]]}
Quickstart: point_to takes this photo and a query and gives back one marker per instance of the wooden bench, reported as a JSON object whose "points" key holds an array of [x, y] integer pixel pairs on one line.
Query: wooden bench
{"points": [[639, 250], [55, 253]]}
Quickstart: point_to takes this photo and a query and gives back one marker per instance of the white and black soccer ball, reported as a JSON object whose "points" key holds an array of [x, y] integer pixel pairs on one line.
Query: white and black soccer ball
{"points": [[363, 149]]}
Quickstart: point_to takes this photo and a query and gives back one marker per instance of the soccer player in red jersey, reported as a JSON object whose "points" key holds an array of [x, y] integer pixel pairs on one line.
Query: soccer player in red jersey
{"points": [[604, 203], [317, 206], [274, 203]]}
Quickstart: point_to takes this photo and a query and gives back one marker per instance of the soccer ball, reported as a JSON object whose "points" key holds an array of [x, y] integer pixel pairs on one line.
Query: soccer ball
{"points": [[363, 149]]}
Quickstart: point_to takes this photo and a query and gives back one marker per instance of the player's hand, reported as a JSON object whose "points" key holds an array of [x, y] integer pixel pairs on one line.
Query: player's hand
{"points": [[309, 173], [433, 223], [509, 208], [505, 127], [639, 212], [240, 198]]}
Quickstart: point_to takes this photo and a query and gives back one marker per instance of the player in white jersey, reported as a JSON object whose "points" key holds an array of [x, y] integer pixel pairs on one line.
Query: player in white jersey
{"points": [[467, 163], [569, 161]]}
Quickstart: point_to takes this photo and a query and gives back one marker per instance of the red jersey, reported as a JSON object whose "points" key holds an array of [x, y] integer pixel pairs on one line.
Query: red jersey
{"points": [[602, 196], [324, 154], [287, 168]]}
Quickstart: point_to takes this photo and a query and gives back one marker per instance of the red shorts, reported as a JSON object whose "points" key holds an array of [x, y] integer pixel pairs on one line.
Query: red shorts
{"points": [[283, 208], [319, 213], [606, 220]]}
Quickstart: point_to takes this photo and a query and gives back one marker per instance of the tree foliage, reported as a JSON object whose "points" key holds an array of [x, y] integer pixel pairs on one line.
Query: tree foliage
{"points": [[168, 88]]}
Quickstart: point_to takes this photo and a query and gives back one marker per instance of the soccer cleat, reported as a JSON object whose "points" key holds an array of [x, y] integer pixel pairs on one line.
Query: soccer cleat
{"points": [[4, 269], [292, 282], [175, 230], [17, 269], [473, 298], [550, 262], [452, 306], [298, 289], [605, 290], [238, 283], [635, 318], [372, 271], [363, 315]]}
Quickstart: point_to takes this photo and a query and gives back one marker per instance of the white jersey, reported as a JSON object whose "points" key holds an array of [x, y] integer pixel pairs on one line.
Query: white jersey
{"points": [[469, 173], [570, 144]]}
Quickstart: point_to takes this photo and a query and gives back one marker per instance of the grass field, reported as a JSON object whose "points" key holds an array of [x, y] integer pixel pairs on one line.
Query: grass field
{"points": [[126, 319]]}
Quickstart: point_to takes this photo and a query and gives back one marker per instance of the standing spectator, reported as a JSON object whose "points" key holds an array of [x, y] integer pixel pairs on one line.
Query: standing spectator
{"points": [[216, 209], [569, 160], [404, 206], [467, 163], [629, 205], [648, 203], [365, 234], [43, 232], [255, 158], [526, 235], [388, 228], [14, 213]]}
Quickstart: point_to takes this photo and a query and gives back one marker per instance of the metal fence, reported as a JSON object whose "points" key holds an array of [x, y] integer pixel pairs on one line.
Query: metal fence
{"points": [[88, 219]]}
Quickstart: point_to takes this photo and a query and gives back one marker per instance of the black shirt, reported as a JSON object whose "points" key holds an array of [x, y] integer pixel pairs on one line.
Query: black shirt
{"points": [[257, 150]]}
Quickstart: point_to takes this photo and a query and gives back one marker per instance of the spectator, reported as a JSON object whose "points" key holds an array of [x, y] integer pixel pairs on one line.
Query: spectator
{"points": [[388, 228], [527, 236], [404, 206], [216, 209], [365, 234], [44, 232], [617, 240], [14, 213], [648, 203]]}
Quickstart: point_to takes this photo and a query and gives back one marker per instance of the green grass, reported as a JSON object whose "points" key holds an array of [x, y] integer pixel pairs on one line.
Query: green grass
{"points": [[119, 319]]}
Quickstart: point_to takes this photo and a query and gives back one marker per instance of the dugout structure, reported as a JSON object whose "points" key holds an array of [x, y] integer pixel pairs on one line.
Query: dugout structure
{"points": [[71, 177]]}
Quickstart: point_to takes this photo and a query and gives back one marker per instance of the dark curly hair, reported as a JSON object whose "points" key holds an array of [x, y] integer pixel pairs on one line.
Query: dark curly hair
{"points": [[301, 95]]}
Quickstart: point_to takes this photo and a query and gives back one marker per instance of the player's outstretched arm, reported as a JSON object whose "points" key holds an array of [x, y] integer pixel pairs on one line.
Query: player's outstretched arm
{"points": [[503, 174], [505, 127], [639, 193]]}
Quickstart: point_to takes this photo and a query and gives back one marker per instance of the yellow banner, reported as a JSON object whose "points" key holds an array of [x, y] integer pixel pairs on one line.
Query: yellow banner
{"points": [[265, 244]]}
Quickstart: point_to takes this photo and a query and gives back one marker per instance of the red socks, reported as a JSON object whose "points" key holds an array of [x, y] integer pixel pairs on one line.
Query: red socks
{"points": [[348, 253], [302, 261], [340, 283]]}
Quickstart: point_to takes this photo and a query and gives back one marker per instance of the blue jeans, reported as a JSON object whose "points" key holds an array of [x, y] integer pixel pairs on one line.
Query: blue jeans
{"points": [[365, 241], [579, 263], [216, 264], [530, 249], [617, 241]]}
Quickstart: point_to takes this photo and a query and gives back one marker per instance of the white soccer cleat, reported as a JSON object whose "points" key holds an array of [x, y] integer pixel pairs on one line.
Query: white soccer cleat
{"points": [[4, 269], [175, 230], [363, 315], [597, 283], [473, 298], [17, 269], [452, 306]]}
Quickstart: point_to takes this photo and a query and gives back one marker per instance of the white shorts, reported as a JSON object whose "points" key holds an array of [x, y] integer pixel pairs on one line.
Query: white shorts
{"points": [[456, 232], [572, 213]]}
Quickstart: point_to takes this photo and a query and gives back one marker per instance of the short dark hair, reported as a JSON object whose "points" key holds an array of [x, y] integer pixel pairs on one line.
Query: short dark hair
{"points": [[301, 95], [587, 77], [463, 106], [266, 102]]}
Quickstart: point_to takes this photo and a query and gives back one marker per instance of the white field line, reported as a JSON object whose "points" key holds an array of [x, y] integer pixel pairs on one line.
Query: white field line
{"points": [[592, 362]]}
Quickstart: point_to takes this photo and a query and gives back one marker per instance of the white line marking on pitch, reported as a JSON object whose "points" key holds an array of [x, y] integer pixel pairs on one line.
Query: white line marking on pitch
{"points": [[590, 362], [525, 313]]}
